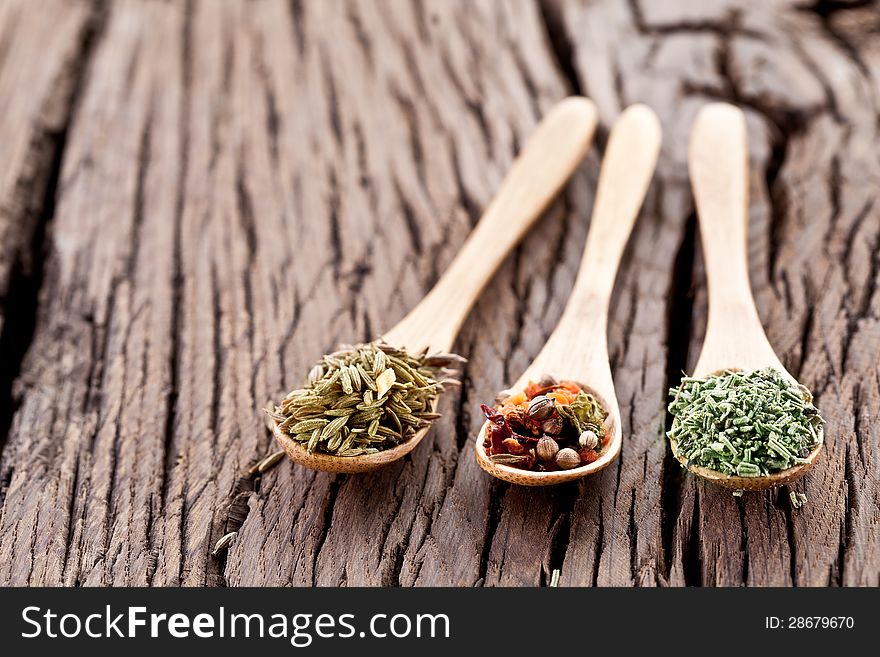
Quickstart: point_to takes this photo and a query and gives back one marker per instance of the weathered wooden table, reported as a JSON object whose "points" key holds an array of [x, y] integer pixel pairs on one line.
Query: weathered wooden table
{"points": [[199, 199]]}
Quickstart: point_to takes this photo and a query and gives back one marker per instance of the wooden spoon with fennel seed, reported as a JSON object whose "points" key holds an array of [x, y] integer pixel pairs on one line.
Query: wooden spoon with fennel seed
{"points": [[550, 156], [578, 349]]}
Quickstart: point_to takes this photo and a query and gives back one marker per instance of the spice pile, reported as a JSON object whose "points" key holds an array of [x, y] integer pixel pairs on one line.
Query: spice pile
{"points": [[365, 399], [743, 423], [549, 426]]}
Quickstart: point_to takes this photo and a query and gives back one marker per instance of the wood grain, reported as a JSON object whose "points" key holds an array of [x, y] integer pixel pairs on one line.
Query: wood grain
{"points": [[230, 189]]}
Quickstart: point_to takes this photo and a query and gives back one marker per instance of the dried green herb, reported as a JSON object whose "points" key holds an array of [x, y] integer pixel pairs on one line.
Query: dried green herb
{"points": [[744, 423], [365, 398], [585, 413]]}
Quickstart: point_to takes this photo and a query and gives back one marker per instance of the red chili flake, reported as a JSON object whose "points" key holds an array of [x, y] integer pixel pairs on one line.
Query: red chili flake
{"points": [[513, 446], [520, 422], [494, 438], [589, 455], [492, 415], [532, 390], [498, 430], [497, 419]]}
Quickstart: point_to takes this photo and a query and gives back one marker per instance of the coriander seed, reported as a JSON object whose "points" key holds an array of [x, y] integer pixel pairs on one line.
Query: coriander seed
{"points": [[568, 458]]}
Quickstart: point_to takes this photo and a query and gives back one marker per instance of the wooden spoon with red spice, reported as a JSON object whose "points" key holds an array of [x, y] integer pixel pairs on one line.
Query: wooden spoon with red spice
{"points": [[578, 349]]}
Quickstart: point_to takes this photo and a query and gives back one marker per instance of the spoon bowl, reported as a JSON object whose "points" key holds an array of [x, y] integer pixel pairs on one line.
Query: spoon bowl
{"points": [[735, 338], [528, 478], [578, 348], [345, 464], [549, 158], [735, 482]]}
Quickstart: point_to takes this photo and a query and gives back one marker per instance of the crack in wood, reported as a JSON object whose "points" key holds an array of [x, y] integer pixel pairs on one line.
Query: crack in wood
{"points": [[778, 196], [744, 543], [467, 202], [273, 118], [560, 533], [693, 561], [332, 99], [792, 544], [679, 332], [409, 220], [361, 36], [411, 119], [497, 490], [826, 11], [560, 45], [336, 482], [393, 564], [632, 532], [297, 19], [177, 286], [597, 549], [847, 525], [722, 28], [333, 208], [39, 191]]}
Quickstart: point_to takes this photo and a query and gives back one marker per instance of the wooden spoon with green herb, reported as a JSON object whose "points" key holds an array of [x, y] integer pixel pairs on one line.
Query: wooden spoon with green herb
{"points": [[735, 338], [577, 350], [549, 158]]}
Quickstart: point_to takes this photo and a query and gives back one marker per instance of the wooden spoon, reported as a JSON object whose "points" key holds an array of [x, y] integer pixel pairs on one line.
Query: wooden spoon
{"points": [[549, 158], [578, 348], [735, 339]]}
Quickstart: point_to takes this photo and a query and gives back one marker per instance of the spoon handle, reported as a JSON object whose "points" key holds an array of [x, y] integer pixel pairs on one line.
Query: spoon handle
{"points": [[627, 168], [718, 163], [548, 159], [577, 349]]}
